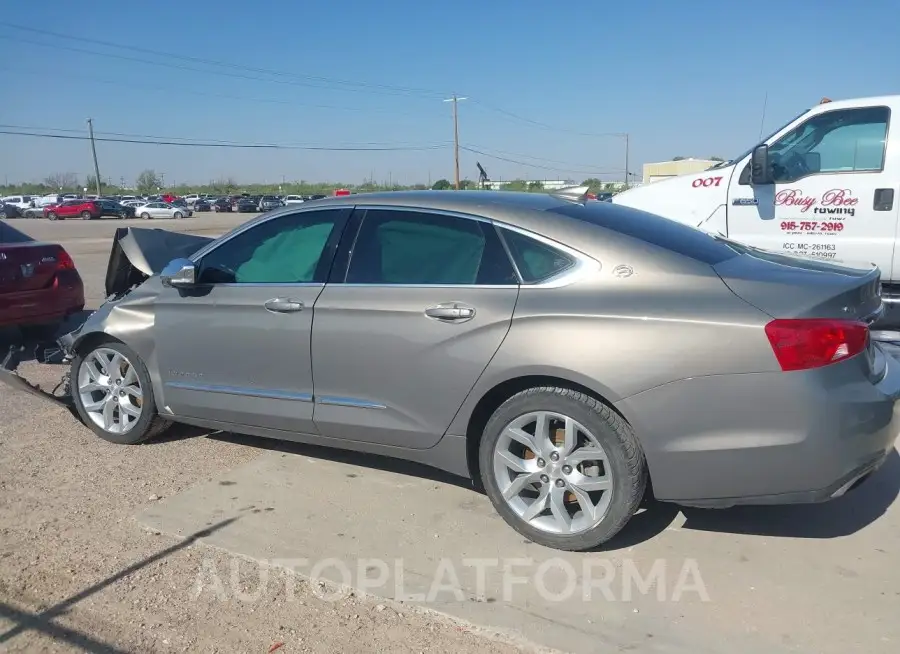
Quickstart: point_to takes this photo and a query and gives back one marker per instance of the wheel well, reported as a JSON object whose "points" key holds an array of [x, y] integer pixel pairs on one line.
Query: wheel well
{"points": [[498, 395], [93, 340]]}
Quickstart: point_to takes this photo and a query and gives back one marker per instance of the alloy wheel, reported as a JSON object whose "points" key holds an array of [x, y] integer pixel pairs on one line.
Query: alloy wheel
{"points": [[110, 390], [553, 473]]}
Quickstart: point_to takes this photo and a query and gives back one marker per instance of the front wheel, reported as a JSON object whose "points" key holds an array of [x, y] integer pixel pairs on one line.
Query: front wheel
{"points": [[562, 468], [113, 394], [178, 215], [52, 216], [2, 215]]}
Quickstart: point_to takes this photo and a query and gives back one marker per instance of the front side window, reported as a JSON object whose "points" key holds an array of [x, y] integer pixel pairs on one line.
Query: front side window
{"points": [[846, 140], [422, 248], [285, 250]]}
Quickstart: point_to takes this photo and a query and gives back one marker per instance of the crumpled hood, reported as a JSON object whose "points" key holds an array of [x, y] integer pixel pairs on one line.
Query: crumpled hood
{"points": [[138, 253]]}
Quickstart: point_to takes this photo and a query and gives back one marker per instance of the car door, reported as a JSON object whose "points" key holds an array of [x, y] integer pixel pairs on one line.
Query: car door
{"points": [[236, 347], [833, 195], [405, 329], [160, 210]]}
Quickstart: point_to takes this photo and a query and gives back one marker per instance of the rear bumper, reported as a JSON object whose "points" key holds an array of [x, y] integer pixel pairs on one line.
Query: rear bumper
{"points": [[767, 438], [61, 299]]}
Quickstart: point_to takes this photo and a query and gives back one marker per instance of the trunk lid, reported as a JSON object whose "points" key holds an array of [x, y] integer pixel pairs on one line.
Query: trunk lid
{"points": [[25, 264], [793, 287]]}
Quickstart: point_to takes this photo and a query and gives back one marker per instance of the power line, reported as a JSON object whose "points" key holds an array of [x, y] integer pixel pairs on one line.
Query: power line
{"points": [[530, 165], [195, 139], [258, 146], [538, 159], [197, 70], [545, 126], [224, 64], [224, 96]]}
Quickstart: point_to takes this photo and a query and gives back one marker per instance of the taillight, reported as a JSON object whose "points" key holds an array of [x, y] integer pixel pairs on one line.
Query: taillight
{"points": [[801, 344], [64, 261]]}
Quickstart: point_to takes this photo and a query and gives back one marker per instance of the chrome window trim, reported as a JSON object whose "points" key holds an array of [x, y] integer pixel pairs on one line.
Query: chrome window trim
{"points": [[240, 390], [333, 400]]}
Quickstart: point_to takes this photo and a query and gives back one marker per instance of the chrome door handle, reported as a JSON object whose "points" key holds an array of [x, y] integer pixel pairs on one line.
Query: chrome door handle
{"points": [[451, 312], [283, 305]]}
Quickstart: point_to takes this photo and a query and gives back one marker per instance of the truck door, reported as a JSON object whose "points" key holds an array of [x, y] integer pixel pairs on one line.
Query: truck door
{"points": [[833, 196]]}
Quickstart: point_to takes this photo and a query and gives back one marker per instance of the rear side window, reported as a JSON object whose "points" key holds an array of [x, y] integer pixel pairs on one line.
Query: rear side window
{"points": [[423, 248], [536, 262], [650, 228]]}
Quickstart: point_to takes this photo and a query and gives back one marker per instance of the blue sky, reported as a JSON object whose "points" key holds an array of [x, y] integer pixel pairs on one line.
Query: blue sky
{"points": [[544, 85]]}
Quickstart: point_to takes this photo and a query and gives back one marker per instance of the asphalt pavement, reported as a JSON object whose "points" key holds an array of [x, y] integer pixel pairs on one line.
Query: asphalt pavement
{"points": [[820, 578]]}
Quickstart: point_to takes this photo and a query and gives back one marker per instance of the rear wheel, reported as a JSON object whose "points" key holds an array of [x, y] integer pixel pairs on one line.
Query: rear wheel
{"points": [[85, 215], [145, 216], [113, 395], [562, 468]]}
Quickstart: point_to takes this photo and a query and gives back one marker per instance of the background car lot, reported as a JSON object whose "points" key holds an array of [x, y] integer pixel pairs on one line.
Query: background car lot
{"points": [[779, 578]]}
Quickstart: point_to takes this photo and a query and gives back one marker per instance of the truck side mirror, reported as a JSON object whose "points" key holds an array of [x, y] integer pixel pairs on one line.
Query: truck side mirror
{"points": [[760, 170]]}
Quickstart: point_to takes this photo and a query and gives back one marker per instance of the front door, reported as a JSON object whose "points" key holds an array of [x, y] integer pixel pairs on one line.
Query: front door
{"points": [[829, 196], [402, 337], [235, 348]]}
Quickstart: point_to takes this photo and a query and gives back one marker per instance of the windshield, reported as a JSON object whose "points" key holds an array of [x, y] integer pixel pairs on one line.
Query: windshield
{"points": [[747, 152]]}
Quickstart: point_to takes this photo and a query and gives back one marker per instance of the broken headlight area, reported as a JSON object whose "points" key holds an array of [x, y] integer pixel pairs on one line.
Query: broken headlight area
{"points": [[42, 353]]}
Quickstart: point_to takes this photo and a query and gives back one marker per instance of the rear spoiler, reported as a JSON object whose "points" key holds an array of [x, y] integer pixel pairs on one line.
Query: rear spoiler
{"points": [[139, 253]]}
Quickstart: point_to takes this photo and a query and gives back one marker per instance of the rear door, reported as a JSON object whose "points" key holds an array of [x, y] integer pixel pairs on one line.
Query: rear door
{"points": [[405, 330]]}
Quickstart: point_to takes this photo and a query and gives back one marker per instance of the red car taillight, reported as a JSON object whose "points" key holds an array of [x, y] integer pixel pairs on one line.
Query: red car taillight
{"points": [[802, 344], [64, 261]]}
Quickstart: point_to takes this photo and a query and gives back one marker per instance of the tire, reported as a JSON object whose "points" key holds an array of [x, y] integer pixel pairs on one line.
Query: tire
{"points": [[624, 462], [140, 428], [177, 215], [3, 215], [145, 216], [85, 215], [52, 216]]}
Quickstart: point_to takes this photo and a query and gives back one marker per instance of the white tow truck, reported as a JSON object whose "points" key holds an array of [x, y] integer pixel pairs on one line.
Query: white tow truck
{"points": [[824, 185]]}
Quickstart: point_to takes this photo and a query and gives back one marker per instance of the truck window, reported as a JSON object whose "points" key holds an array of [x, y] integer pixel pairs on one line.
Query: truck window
{"points": [[844, 140]]}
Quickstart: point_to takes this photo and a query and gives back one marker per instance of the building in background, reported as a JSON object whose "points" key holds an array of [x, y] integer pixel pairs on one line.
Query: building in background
{"points": [[653, 172], [546, 184]]}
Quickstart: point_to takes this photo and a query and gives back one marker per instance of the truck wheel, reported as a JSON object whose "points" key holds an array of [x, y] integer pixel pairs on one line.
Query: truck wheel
{"points": [[562, 468], [113, 394]]}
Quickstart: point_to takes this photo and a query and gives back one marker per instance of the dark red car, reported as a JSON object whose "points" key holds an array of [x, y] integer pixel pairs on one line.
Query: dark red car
{"points": [[84, 209], [39, 285]]}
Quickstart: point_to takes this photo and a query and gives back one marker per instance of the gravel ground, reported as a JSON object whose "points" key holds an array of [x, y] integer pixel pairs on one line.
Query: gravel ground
{"points": [[77, 572]]}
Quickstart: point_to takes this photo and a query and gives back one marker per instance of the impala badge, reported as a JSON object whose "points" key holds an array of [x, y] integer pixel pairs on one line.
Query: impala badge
{"points": [[622, 271]]}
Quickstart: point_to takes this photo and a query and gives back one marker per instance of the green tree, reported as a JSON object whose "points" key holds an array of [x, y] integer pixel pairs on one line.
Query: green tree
{"points": [[593, 184], [148, 181], [441, 185], [716, 159], [678, 158], [536, 186]]}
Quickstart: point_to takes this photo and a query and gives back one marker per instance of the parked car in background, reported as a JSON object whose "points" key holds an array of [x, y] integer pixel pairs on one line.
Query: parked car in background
{"points": [[293, 199], [268, 203], [222, 204], [84, 209], [33, 212], [191, 198], [247, 205], [39, 285], [116, 209], [201, 205], [9, 211], [162, 210], [21, 201]]}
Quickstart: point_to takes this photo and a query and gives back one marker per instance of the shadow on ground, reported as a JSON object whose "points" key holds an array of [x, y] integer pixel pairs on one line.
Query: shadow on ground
{"points": [[44, 621]]}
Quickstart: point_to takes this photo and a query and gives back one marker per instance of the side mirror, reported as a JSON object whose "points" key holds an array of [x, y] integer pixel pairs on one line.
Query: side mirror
{"points": [[760, 169], [180, 273]]}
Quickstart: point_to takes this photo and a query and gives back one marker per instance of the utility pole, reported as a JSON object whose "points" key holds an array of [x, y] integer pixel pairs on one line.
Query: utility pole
{"points": [[90, 123], [455, 100], [626, 161]]}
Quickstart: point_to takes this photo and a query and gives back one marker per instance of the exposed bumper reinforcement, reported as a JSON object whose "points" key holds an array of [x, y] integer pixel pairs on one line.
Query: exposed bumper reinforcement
{"points": [[59, 395]]}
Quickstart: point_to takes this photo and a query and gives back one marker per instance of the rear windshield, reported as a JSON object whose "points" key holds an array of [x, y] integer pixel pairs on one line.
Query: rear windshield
{"points": [[9, 235], [655, 230]]}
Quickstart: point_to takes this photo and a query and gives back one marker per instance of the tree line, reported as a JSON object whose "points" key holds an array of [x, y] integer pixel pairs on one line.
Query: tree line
{"points": [[150, 182]]}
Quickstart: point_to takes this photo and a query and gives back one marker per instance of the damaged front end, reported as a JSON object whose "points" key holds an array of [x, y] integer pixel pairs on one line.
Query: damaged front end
{"points": [[137, 254]]}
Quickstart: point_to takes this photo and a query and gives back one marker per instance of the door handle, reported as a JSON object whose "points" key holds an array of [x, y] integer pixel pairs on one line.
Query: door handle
{"points": [[884, 199], [451, 312], [283, 305]]}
